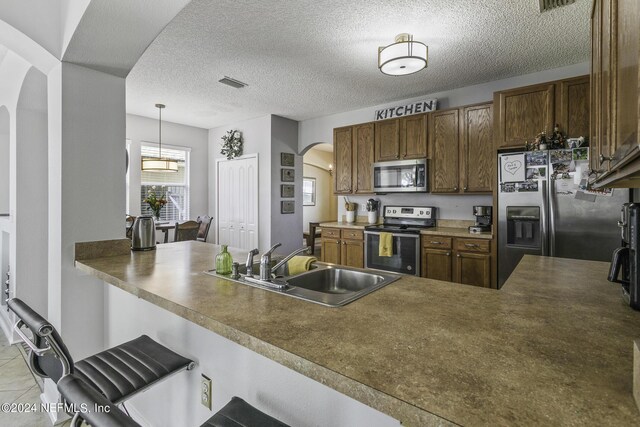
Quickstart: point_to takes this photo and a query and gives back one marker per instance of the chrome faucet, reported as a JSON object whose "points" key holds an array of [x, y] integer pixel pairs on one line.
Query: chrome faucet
{"points": [[265, 263], [306, 249], [249, 264]]}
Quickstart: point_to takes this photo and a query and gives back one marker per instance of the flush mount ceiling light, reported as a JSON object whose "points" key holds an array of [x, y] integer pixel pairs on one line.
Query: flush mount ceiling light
{"points": [[403, 57], [159, 164]]}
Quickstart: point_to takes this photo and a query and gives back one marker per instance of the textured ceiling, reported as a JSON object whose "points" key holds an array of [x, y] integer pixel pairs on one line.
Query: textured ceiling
{"points": [[304, 59]]}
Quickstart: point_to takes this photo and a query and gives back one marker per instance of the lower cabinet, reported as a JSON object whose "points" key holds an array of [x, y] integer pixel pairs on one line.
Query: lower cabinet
{"points": [[343, 246], [460, 260]]}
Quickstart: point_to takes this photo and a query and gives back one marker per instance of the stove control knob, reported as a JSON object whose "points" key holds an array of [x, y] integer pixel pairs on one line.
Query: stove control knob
{"points": [[421, 212], [394, 211]]}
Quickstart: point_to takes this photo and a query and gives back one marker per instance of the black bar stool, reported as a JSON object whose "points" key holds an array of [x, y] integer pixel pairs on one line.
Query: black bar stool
{"points": [[117, 373], [93, 408]]}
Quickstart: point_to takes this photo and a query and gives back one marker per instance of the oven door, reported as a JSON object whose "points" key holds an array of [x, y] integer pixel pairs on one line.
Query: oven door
{"points": [[405, 258]]}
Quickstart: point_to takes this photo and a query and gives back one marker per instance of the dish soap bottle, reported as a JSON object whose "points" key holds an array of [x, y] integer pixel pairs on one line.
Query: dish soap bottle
{"points": [[223, 261]]}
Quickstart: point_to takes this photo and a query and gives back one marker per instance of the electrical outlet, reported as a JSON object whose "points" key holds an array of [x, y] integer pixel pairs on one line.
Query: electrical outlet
{"points": [[205, 391], [363, 207]]}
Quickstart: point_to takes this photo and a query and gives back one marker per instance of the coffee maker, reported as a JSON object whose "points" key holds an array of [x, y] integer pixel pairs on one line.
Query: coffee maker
{"points": [[483, 219], [626, 258]]}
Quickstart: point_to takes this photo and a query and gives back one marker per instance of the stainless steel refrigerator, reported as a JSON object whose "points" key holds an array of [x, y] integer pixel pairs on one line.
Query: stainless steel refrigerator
{"points": [[544, 208]]}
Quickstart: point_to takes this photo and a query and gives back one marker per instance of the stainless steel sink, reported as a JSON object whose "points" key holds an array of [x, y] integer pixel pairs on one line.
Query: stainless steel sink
{"points": [[326, 284]]}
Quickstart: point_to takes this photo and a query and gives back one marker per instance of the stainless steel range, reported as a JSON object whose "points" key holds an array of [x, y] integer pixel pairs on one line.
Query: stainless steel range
{"points": [[403, 223]]}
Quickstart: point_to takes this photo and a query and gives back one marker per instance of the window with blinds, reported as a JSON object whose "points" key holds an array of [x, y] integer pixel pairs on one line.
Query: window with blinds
{"points": [[174, 186]]}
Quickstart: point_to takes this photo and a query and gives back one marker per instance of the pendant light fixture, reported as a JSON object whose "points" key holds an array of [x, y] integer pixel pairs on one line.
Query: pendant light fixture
{"points": [[403, 57], [159, 164]]}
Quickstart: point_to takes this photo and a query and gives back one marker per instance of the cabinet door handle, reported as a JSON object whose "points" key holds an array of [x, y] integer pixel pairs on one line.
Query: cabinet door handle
{"points": [[458, 255], [436, 243], [448, 254], [455, 188], [344, 243], [397, 156], [338, 242], [464, 188], [471, 245]]}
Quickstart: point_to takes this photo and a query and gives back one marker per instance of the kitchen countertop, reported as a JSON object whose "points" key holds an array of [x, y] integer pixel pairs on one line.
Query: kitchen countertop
{"points": [[336, 224], [448, 231], [457, 232], [553, 346]]}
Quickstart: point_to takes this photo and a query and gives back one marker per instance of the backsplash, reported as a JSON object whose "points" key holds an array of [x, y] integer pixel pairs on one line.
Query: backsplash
{"points": [[449, 206]]}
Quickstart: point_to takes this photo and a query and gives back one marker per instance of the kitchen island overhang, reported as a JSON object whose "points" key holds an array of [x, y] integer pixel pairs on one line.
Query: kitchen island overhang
{"points": [[554, 345]]}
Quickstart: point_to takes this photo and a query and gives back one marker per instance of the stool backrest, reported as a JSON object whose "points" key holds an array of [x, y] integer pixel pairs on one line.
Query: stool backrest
{"points": [[48, 355]]}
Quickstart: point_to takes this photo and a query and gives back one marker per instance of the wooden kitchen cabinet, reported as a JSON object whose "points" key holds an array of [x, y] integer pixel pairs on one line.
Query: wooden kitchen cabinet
{"points": [[459, 260], [353, 159], [473, 269], [444, 139], [572, 106], [522, 113], [477, 149], [387, 140], [343, 159], [615, 86], [362, 174], [461, 140], [343, 246], [401, 139]]}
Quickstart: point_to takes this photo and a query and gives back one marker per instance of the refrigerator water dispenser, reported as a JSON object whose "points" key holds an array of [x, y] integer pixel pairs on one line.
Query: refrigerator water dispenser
{"points": [[523, 226]]}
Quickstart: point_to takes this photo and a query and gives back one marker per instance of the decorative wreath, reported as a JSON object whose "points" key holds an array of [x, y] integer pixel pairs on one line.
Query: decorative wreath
{"points": [[232, 144]]}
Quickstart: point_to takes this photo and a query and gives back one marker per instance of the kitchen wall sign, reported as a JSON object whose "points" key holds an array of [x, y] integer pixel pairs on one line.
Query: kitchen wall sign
{"points": [[287, 175], [406, 110]]}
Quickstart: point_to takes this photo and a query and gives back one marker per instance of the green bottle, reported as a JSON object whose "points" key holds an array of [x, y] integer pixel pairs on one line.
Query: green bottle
{"points": [[224, 261]]}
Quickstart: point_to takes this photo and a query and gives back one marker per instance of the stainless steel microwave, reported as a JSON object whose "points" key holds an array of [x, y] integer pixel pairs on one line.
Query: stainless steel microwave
{"points": [[403, 176]]}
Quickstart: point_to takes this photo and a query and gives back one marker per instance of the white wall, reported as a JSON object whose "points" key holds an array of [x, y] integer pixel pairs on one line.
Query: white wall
{"points": [[141, 129], [234, 370], [32, 200], [316, 163], [256, 134], [320, 129], [4, 160]]}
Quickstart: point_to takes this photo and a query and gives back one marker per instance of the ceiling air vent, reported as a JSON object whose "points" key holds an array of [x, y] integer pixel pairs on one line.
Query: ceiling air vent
{"points": [[546, 5], [232, 82]]}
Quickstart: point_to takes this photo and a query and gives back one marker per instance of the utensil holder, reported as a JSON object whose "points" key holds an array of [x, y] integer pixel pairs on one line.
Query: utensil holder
{"points": [[351, 216], [372, 217]]}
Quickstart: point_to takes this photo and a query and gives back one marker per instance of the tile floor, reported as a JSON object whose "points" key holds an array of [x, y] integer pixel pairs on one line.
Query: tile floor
{"points": [[17, 385]]}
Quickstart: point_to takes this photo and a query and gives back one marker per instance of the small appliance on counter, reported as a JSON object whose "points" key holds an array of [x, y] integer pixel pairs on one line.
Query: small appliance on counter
{"points": [[402, 225], [143, 236], [626, 258], [483, 216]]}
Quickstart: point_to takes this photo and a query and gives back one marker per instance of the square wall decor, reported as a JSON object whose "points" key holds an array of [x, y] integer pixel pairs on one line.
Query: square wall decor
{"points": [[287, 175], [287, 159], [287, 190], [287, 207]]}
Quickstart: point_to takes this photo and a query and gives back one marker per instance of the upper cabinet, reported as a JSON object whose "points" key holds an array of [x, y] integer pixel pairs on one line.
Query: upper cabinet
{"points": [[615, 123], [363, 158], [461, 140], [477, 152], [401, 138], [342, 159], [444, 139], [521, 114], [353, 159]]}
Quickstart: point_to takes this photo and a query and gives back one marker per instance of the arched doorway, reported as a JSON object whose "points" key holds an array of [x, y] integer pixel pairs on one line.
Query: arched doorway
{"points": [[319, 202]]}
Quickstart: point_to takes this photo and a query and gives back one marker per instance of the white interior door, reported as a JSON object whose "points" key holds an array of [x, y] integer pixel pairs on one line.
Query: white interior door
{"points": [[238, 202]]}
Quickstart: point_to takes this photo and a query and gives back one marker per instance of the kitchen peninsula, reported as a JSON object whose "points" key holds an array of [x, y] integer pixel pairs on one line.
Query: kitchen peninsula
{"points": [[555, 345]]}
